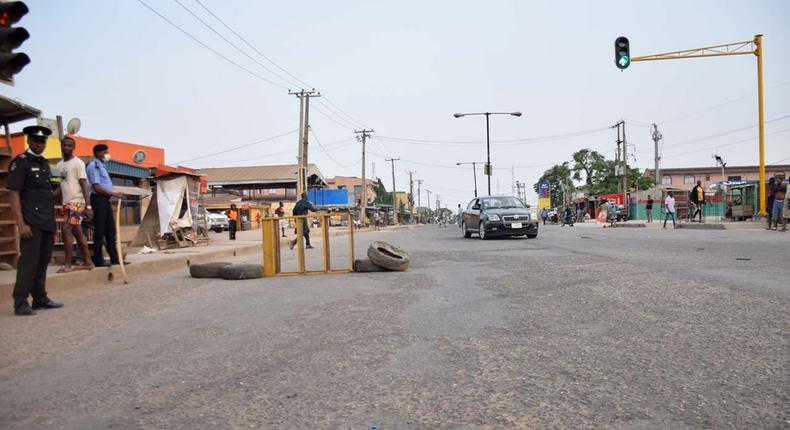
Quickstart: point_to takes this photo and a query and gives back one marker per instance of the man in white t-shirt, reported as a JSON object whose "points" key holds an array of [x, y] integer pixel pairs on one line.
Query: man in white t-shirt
{"points": [[75, 192], [669, 207]]}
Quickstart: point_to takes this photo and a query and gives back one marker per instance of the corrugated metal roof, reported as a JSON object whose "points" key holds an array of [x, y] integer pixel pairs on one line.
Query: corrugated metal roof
{"points": [[256, 174], [13, 111], [123, 169]]}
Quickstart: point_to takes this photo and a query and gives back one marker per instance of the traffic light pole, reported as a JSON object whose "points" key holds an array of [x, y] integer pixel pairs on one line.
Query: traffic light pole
{"points": [[749, 47]]}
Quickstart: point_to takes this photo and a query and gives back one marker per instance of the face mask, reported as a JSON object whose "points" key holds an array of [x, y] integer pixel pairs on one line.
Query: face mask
{"points": [[32, 152], [106, 157]]}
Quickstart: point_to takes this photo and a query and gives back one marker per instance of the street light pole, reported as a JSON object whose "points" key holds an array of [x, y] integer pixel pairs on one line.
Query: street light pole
{"points": [[488, 153], [488, 170]]}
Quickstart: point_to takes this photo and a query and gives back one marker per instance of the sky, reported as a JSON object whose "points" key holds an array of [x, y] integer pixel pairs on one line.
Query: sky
{"points": [[403, 68]]}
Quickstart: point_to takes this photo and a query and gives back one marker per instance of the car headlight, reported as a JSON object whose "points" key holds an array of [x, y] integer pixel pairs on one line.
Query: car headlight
{"points": [[493, 217]]}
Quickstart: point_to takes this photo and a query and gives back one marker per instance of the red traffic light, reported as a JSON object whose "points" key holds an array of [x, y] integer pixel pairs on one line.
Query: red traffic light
{"points": [[11, 12]]}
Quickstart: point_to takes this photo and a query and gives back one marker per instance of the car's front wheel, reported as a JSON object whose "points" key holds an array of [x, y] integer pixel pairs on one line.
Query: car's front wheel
{"points": [[482, 230], [532, 236], [465, 232]]}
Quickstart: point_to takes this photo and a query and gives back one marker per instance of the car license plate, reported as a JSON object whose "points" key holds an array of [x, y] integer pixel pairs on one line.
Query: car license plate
{"points": [[515, 225]]}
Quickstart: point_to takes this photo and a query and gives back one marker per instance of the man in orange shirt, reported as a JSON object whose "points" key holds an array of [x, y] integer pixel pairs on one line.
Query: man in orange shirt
{"points": [[233, 221]]}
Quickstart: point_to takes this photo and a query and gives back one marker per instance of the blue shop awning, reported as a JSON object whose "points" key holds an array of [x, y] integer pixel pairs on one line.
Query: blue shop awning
{"points": [[116, 168]]}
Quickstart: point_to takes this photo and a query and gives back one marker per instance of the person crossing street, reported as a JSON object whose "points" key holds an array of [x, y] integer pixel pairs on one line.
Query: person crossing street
{"points": [[32, 203], [697, 196], [302, 207]]}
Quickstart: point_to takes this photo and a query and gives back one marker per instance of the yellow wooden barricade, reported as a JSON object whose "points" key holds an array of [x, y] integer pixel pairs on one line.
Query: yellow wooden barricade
{"points": [[270, 230]]}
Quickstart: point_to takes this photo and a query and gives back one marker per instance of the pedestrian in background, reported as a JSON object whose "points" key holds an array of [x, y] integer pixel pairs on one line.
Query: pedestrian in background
{"points": [[769, 204], [31, 201], [669, 210], [101, 192], [649, 208], [698, 197], [603, 213], [786, 212], [780, 192], [233, 221], [75, 193], [280, 212], [614, 212], [376, 221], [258, 219]]}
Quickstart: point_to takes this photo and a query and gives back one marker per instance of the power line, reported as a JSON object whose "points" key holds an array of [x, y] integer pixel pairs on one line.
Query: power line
{"points": [[710, 108], [751, 139], [252, 46], [353, 120], [333, 145], [328, 154], [504, 142], [346, 124], [338, 111], [225, 151], [243, 52], [217, 53], [724, 133]]}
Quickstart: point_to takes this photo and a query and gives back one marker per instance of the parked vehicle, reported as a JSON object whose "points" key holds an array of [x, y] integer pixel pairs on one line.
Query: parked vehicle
{"points": [[218, 222], [498, 216]]}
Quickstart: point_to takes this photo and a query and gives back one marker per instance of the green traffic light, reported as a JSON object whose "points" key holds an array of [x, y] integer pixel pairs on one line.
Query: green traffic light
{"points": [[623, 61]]}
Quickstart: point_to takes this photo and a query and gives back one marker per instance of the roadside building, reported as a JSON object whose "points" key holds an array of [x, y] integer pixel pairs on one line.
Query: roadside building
{"points": [[354, 185], [262, 184], [685, 178]]}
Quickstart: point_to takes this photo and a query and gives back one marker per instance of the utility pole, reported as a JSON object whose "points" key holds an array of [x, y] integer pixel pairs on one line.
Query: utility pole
{"points": [[393, 160], [362, 136], [411, 194], [429, 198], [304, 129], [624, 162], [657, 173], [419, 183]]}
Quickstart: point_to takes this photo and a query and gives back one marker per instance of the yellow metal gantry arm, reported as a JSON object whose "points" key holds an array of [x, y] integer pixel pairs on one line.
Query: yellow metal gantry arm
{"points": [[738, 48], [749, 47]]}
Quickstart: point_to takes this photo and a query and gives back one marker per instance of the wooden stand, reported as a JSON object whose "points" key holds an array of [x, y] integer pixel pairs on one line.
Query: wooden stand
{"points": [[9, 240]]}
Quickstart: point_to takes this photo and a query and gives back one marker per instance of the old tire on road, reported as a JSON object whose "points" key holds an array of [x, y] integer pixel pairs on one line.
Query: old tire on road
{"points": [[235, 272], [207, 270], [365, 265], [388, 256]]}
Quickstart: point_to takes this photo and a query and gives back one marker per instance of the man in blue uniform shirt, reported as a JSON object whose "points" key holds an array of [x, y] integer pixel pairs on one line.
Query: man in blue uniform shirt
{"points": [[101, 192], [34, 209]]}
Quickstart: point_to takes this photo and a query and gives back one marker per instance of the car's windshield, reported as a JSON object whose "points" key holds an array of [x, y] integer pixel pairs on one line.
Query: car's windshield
{"points": [[502, 203]]}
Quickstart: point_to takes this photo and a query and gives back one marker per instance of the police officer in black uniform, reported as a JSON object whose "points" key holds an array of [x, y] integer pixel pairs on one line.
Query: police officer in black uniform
{"points": [[33, 206]]}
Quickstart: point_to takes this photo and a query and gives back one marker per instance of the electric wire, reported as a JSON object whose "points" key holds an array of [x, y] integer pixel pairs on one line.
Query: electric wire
{"points": [[235, 148], [243, 52], [246, 42], [330, 155], [214, 51]]}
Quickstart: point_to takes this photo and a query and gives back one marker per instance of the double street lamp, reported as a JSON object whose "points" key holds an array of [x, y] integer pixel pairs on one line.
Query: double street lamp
{"points": [[488, 169], [474, 171]]}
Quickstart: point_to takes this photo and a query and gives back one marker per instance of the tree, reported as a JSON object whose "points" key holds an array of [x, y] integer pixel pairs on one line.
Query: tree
{"points": [[587, 161], [606, 182], [383, 197], [559, 179], [402, 212]]}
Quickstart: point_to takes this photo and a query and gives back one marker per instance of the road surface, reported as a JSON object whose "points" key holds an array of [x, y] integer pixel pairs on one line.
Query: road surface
{"points": [[579, 328]]}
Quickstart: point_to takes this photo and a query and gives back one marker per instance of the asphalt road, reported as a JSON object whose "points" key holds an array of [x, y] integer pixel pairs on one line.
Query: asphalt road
{"points": [[579, 328]]}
